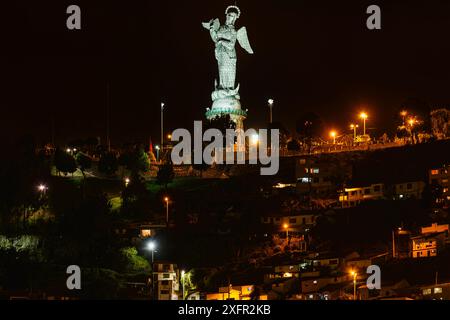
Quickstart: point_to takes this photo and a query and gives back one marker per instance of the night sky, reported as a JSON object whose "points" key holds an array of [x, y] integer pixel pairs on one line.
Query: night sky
{"points": [[309, 56]]}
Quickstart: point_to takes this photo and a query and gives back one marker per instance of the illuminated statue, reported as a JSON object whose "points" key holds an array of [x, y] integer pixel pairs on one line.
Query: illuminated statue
{"points": [[226, 94]]}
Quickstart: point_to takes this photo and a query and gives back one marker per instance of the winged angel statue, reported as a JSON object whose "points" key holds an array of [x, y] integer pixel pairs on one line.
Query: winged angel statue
{"points": [[225, 37]]}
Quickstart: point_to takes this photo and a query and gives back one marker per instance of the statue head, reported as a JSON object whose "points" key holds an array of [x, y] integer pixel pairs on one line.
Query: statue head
{"points": [[232, 13]]}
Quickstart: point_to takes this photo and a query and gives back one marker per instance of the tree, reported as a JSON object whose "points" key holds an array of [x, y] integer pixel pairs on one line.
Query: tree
{"points": [[108, 163], [139, 161], [84, 162], [165, 174], [293, 145], [136, 199], [65, 162], [309, 126]]}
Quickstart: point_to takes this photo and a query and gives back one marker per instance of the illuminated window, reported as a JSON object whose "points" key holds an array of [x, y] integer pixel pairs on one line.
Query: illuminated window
{"points": [[426, 292], [445, 190], [444, 180], [315, 170], [437, 290], [434, 172]]}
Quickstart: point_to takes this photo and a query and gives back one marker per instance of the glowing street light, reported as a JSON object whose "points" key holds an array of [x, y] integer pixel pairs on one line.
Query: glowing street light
{"points": [[354, 274], [127, 181], [157, 152], [166, 200], [169, 136], [42, 188], [403, 114], [152, 246], [162, 125], [270, 103], [333, 135], [183, 273], [286, 227], [364, 116]]}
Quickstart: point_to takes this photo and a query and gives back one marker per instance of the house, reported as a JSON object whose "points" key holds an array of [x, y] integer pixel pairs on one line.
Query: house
{"points": [[440, 176], [362, 262], [388, 290], [285, 272], [316, 284], [166, 285], [319, 175], [436, 228], [243, 292], [408, 190], [436, 292], [427, 245], [353, 196]]}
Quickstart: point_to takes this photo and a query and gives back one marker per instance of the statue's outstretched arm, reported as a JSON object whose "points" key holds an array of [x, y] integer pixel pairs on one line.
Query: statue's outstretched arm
{"points": [[212, 26]]}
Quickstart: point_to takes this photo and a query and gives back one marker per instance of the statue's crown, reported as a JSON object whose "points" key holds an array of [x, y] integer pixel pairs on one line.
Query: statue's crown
{"points": [[235, 8]]}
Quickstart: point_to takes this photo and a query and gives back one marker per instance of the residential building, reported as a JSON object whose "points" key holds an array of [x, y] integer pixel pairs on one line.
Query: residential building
{"points": [[389, 290], [427, 245], [234, 293], [166, 285], [436, 292], [353, 196], [320, 175], [408, 190], [440, 176]]}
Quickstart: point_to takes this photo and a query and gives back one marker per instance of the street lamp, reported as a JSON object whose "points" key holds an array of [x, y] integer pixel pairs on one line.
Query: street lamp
{"points": [[42, 188], [286, 227], [157, 152], [162, 125], [270, 102], [364, 116], [166, 200], [333, 135], [151, 246], [403, 114], [354, 274], [183, 273], [354, 127], [127, 181]]}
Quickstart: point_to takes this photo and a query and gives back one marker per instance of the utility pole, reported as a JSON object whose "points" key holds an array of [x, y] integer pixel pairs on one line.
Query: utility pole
{"points": [[393, 244], [108, 141]]}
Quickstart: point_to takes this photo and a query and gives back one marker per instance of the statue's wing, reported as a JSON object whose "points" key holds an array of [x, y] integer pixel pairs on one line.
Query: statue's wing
{"points": [[242, 38]]}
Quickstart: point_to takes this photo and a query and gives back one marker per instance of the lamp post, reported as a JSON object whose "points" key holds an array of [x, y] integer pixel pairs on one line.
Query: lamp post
{"points": [[270, 102], [286, 227], [166, 200], [162, 125], [333, 135], [403, 114], [151, 246], [354, 127], [183, 273], [157, 153], [354, 274], [364, 116]]}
